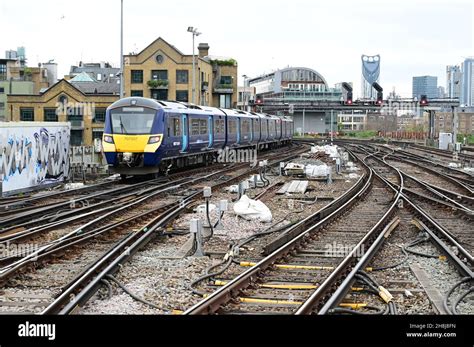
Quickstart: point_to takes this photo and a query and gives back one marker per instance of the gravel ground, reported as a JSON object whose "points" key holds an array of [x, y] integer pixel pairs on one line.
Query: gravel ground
{"points": [[157, 276], [443, 275], [152, 275]]}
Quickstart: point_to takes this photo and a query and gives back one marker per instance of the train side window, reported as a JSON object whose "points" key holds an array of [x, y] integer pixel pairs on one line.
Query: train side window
{"points": [[203, 126], [232, 127], [271, 128], [194, 126], [245, 126], [265, 127], [174, 126], [219, 126], [256, 126]]}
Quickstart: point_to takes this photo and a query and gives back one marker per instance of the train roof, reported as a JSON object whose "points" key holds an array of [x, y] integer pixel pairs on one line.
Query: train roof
{"points": [[238, 113], [149, 103], [183, 107]]}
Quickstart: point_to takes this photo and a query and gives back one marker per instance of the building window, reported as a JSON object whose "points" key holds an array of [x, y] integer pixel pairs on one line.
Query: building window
{"points": [[157, 75], [137, 93], [159, 94], [181, 76], [74, 116], [137, 76], [27, 114], [3, 72], [225, 100], [97, 134], [226, 80], [63, 99], [99, 115], [2, 90], [2, 106], [182, 95], [76, 138], [50, 115]]}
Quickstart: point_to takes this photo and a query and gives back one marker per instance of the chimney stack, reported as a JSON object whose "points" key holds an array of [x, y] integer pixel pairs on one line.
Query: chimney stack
{"points": [[203, 50]]}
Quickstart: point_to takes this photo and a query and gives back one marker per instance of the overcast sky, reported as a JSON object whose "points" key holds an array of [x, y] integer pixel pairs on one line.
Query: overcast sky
{"points": [[413, 37]]}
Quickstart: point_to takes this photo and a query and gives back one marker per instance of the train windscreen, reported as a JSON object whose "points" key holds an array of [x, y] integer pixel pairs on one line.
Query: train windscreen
{"points": [[132, 120]]}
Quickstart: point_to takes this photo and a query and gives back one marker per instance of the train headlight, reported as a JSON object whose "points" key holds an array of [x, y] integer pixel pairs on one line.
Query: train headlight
{"points": [[154, 139], [108, 139]]}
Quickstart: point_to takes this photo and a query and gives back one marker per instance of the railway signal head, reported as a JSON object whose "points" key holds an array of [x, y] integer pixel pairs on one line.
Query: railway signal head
{"points": [[349, 98], [424, 100], [379, 101]]}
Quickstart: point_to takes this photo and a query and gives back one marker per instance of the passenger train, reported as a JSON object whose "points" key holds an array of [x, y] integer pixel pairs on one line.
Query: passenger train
{"points": [[145, 136]]}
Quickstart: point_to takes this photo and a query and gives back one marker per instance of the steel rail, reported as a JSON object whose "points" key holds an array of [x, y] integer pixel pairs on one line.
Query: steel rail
{"points": [[213, 302]]}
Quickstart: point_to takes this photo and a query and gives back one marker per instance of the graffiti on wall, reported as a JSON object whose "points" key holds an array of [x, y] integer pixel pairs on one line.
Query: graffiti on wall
{"points": [[33, 156]]}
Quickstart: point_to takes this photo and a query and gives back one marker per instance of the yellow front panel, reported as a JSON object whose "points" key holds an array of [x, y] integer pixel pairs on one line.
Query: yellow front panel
{"points": [[131, 143]]}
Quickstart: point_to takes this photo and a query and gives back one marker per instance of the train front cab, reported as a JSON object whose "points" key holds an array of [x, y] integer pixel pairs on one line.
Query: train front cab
{"points": [[133, 133]]}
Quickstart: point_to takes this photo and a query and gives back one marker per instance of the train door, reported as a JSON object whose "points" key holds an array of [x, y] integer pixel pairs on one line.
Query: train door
{"points": [[185, 132], [251, 129], [211, 132], [238, 129]]}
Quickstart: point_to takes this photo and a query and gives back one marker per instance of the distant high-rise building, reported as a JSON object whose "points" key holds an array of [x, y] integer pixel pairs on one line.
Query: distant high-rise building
{"points": [[453, 81], [11, 54], [467, 92], [441, 92], [370, 74], [425, 85], [19, 54]]}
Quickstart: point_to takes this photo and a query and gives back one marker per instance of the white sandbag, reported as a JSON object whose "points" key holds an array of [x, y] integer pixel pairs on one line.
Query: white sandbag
{"points": [[252, 210], [316, 170], [202, 208], [327, 149], [112, 178], [71, 186], [233, 188]]}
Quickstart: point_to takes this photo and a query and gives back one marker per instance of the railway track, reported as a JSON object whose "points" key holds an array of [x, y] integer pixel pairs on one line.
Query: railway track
{"points": [[300, 276], [67, 204], [441, 236], [449, 226], [12, 203], [424, 180], [78, 257], [295, 280]]}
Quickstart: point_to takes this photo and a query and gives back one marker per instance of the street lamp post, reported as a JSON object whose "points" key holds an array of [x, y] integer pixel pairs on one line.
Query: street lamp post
{"points": [[244, 92], [195, 32], [304, 108], [121, 49]]}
